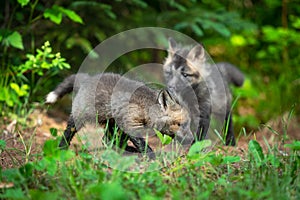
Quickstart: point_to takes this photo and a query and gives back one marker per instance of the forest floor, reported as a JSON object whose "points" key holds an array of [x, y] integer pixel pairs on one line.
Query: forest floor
{"points": [[30, 140]]}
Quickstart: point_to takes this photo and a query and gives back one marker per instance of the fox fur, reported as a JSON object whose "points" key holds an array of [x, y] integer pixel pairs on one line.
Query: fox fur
{"points": [[186, 68], [133, 106]]}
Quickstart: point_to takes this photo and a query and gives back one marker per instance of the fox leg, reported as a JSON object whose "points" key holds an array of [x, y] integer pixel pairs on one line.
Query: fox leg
{"points": [[139, 143], [202, 128], [230, 140], [109, 133], [68, 133], [123, 137], [141, 146]]}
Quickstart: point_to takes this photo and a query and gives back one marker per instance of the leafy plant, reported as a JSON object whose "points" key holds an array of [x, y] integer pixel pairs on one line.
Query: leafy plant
{"points": [[22, 80], [164, 139], [31, 77]]}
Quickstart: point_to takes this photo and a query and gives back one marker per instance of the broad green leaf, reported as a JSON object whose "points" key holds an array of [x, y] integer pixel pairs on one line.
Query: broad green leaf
{"points": [[66, 155], [13, 194], [159, 135], [15, 87], [51, 148], [53, 132], [273, 160], [164, 139], [23, 2], [71, 15], [2, 144], [15, 40], [27, 170], [41, 165], [53, 14], [20, 91], [167, 140], [66, 65], [51, 166], [10, 174], [256, 151], [231, 159], [5, 95], [198, 147], [294, 146]]}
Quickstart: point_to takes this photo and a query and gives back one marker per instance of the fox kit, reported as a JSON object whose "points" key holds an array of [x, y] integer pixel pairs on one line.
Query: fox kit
{"points": [[188, 67], [132, 105]]}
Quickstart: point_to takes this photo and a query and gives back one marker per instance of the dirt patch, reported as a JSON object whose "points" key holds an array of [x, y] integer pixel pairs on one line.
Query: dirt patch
{"points": [[21, 142]]}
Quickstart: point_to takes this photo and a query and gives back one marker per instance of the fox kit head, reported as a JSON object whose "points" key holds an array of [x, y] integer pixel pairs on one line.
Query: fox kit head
{"points": [[183, 66], [171, 118]]}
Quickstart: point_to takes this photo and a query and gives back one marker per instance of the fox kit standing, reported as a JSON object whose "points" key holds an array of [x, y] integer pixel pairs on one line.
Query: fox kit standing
{"points": [[188, 67], [132, 105]]}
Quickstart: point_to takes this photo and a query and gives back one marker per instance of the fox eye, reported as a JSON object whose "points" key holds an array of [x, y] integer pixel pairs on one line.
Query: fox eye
{"points": [[184, 74], [178, 124]]}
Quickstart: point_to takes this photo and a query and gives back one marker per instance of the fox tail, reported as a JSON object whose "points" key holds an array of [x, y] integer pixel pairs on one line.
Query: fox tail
{"points": [[231, 73], [62, 89]]}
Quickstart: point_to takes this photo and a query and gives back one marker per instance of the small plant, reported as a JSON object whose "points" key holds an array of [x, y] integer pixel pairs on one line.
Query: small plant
{"points": [[164, 139], [22, 81], [27, 80]]}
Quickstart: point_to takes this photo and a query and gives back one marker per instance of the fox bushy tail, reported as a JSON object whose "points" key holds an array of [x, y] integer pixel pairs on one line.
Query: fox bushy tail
{"points": [[64, 88], [231, 73]]}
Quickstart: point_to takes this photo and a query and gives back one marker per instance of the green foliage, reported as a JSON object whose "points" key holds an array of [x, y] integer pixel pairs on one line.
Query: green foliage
{"points": [[28, 79], [2, 145], [43, 61], [256, 152], [263, 43], [164, 139], [24, 79], [13, 39], [294, 146], [198, 147], [56, 13], [23, 2], [201, 174]]}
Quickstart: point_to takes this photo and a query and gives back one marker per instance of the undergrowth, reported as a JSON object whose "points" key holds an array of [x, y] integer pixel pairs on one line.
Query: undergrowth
{"points": [[199, 174]]}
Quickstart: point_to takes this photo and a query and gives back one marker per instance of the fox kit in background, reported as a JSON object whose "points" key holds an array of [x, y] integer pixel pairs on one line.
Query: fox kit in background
{"points": [[132, 105], [188, 67]]}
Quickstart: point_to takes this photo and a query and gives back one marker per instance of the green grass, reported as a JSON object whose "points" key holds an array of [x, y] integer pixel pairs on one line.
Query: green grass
{"points": [[196, 175]]}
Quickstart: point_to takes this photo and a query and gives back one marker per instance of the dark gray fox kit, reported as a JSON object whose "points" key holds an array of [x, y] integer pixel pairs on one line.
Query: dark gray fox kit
{"points": [[132, 105], [188, 67]]}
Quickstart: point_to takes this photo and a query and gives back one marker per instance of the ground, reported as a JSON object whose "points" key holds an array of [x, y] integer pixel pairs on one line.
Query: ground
{"points": [[29, 141]]}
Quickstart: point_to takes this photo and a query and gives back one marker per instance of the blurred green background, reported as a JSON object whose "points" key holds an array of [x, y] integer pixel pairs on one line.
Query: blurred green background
{"points": [[262, 38]]}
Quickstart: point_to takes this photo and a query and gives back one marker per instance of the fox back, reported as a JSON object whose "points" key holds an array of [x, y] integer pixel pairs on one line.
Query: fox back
{"points": [[133, 105]]}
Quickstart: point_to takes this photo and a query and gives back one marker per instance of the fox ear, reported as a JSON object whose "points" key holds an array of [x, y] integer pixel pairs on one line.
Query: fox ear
{"points": [[197, 54], [165, 99], [172, 45]]}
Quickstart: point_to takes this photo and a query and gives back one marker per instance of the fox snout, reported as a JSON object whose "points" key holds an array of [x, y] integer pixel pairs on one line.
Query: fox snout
{"points": [[184, 137]]}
